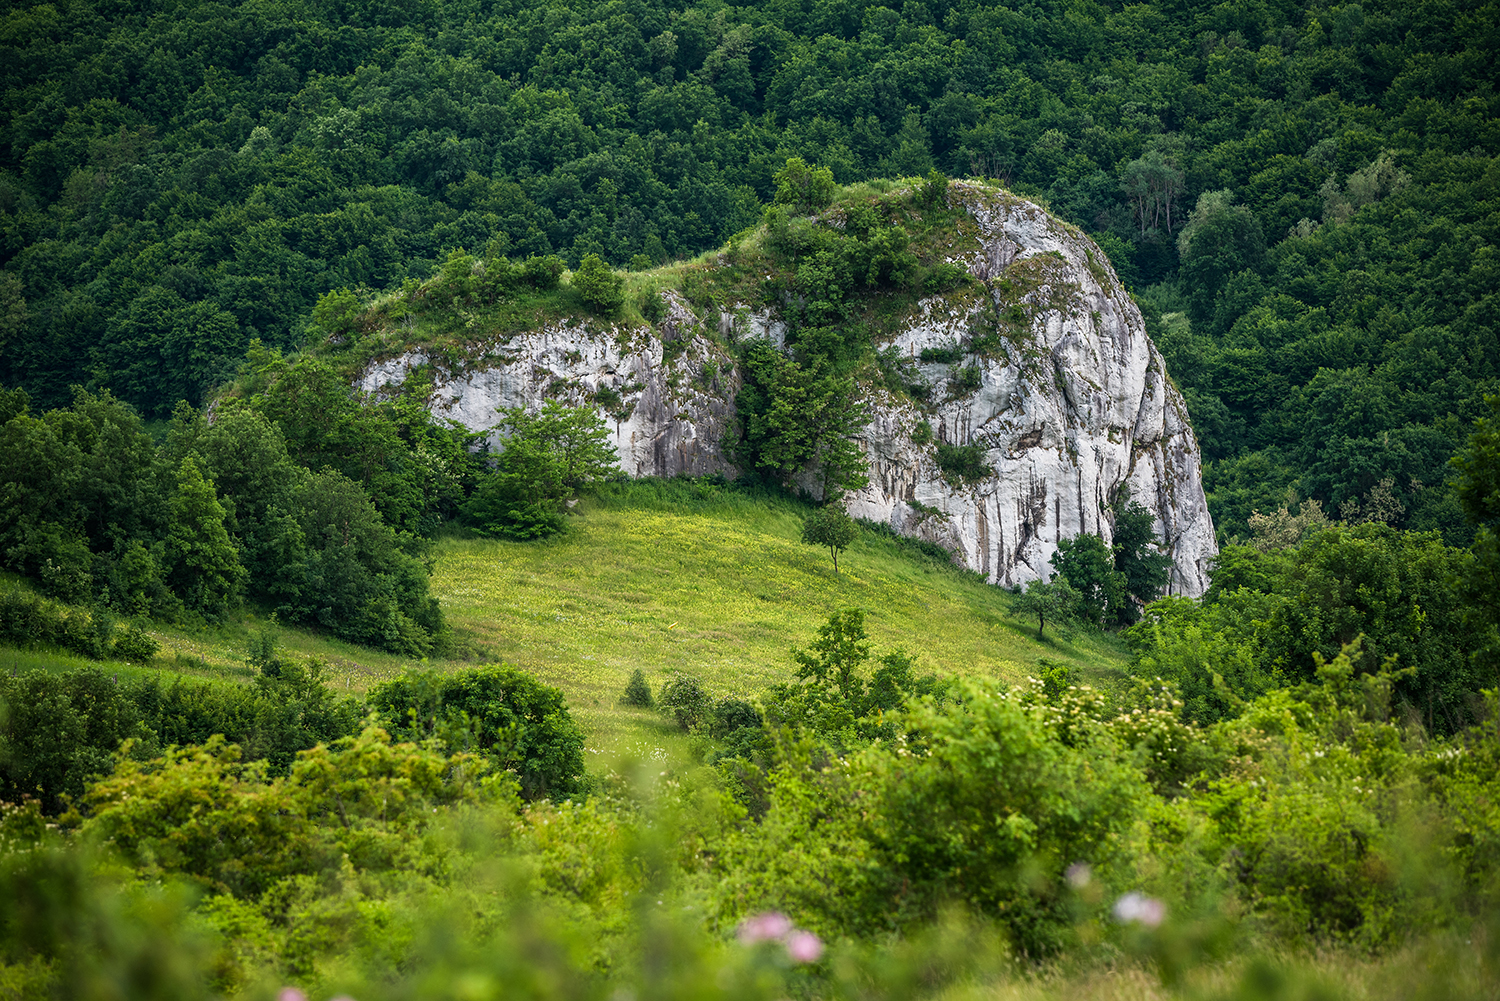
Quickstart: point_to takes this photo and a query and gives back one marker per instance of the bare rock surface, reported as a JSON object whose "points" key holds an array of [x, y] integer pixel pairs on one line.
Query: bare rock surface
{"points": [[1071, 403]]}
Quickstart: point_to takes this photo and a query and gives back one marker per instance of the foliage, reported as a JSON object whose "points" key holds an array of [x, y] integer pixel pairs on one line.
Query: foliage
{"points": [[498, 712], [199, 562], [1478, 467], [796, 418], [1055, 600], [850, 848], [1144, 568], [832, 699], [684, 697], [415, 469], [600, 287], [550, 454], [830, 526], [59, 730], [201, 812], [1088, 566], [361, 583], [1300, 196], [963, 463], [638, 691], [28, 619], [1269, 614], [805, 189]]}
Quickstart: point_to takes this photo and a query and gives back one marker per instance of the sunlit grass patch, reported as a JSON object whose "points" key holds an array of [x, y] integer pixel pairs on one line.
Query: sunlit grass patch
{"points": [[718, 586]]}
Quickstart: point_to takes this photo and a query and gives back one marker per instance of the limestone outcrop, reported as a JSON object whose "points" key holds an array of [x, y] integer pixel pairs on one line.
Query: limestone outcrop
{"points": [[1043, 362]]}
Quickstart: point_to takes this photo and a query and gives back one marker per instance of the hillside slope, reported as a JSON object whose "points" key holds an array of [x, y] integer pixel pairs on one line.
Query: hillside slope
{"points": [[1011, 396], [678, 577]]}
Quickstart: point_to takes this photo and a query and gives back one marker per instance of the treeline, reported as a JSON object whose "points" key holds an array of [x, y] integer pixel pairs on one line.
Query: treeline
{"points": [[60, 732], [1301, 195], [309, 501], [1407, 612]]}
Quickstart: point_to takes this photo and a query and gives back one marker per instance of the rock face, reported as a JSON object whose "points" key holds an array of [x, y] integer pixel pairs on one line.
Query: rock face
{"points": [[1046, 367]]}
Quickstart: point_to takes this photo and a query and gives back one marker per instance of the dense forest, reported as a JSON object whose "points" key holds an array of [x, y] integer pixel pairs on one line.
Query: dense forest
{"points": [[1287, 788], [1302, 197]]}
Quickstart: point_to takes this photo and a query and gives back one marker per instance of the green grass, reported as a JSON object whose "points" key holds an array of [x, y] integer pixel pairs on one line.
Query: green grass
{"points": [[719, 586], [665, 576]]}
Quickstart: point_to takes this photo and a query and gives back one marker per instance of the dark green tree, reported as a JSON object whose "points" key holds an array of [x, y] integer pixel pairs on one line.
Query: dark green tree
{"points": [[1088, 566], [638, 691], [1146, 570], [199, 560], [498, 711], [794, 418], [549, 455], [804, 188]]}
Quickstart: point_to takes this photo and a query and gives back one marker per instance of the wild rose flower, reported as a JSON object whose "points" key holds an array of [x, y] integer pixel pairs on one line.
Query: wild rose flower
{"points": [[1141, 909], [764, 927], [1078, 875], [804, 947]]}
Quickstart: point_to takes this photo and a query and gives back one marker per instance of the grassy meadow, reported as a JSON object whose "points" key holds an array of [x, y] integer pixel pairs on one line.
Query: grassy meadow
{"points": [[716, 583], [673, 576]]}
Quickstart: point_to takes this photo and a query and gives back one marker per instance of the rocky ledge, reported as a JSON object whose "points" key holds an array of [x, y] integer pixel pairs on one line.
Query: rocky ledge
{"points": [[1046, 366]]}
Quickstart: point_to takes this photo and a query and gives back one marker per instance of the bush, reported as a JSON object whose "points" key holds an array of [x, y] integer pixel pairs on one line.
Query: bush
{"points": [[543, 273], [683, 696], [932, 192], [653, 305], [28, 619], [499, 712], [963, 463], [135, 645], [964, 381], [598, 285], [943, 355], [637, 691]]}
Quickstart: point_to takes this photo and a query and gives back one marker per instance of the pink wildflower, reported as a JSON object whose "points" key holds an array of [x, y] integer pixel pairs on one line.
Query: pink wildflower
{"points": [[1139, 908], [291, 994], [764, 927], [804, 947]]}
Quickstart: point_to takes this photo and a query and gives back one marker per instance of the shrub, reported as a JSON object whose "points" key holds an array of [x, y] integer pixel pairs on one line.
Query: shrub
{"points": [[543, 273], [500, 712], [28, 619], [964, 381], [598, 285], [942, 355], [638, 691], [932, 192], [962, 463], [730, 715], [653, 305], [683, 696], [135, 645]]}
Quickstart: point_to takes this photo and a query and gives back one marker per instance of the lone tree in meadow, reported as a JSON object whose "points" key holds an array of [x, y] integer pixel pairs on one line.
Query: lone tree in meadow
{"points": [[830, 526], [638, 691], [1055, 600]]}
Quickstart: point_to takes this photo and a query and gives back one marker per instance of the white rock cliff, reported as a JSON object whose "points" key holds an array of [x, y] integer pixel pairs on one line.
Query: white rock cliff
{"points": [[1072, 401]]}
